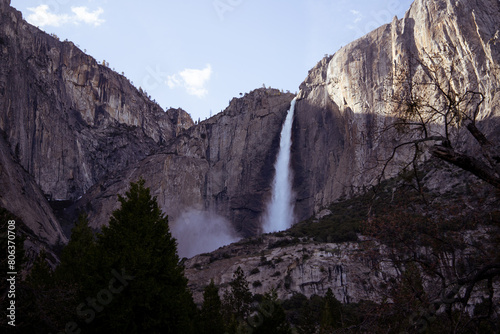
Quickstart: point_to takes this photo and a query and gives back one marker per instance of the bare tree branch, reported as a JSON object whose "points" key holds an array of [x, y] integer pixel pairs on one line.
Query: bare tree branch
{"points": [[468, 163]]}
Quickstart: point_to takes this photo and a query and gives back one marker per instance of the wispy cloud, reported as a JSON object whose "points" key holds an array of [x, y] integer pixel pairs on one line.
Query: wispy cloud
{"points": [[193, 80], [357, 15], [41, 16]]}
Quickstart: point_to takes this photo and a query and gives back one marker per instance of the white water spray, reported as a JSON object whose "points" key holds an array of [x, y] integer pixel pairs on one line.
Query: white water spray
{"points": [[279, 213]]}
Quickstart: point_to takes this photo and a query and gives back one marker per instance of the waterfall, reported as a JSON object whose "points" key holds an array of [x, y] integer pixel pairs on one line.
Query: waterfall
{"points": [[279, 212]]}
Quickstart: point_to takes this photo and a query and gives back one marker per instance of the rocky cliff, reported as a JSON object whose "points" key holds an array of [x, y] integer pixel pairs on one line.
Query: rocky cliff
{"points": [[22, 196], [81, 132], [339, 137], [342, 110], [224, 165], [354, 271], [68, 121], [307, 268]]}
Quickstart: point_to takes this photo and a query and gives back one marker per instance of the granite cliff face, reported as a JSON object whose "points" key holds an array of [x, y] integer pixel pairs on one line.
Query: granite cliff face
{"points": [[74, 130], [81, 132], [224, 165], [22, 196], [67, 120], [307, 268], [342, 106]]}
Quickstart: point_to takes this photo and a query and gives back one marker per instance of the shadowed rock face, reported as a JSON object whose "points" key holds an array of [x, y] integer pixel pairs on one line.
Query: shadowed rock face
{"points": [[342, 105], [22, 196]]}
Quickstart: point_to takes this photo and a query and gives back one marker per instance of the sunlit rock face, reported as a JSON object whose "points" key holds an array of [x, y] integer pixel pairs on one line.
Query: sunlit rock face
{"points": [[343, 108]]}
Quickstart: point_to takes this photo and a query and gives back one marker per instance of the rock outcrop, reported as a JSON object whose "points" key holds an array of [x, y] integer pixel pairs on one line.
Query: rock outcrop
{"points": [[307, 268], [343, 108], [354, 271]]}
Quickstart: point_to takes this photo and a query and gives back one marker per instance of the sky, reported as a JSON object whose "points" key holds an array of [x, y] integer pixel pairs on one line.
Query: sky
{"points": [[199, 54]]}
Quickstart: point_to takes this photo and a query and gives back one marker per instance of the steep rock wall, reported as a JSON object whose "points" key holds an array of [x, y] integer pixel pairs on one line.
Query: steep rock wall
{"points": [[69, 120], [342, 109], [78, 128], [224, 166], [22, 196]]}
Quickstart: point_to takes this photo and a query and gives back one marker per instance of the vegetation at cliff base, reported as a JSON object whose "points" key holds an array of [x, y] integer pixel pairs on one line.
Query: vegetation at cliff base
{"points": [[341, 225]]}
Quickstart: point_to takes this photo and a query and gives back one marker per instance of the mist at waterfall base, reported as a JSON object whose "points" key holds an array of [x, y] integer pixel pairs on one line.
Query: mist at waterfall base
{"points": [[279, 212], [200, 232]]}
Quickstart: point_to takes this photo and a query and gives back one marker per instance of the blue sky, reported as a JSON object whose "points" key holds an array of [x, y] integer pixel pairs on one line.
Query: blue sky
{"points": [[199, 54]]}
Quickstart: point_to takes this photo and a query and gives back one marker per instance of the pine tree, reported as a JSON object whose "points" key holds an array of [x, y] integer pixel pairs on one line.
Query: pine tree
{"points": [[211, 311], [308, 321], [237, 300], [41, 275], [272, 316], [46, 306], [138, 247], [77, 257], [331, 317]]}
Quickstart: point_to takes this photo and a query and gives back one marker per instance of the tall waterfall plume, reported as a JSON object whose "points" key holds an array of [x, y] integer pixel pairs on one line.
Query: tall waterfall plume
{"points": [[279, 212]]}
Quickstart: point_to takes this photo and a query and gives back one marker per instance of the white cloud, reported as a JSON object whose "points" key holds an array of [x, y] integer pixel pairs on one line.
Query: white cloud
{"points": [[193, 80], [82, 14], [41, 16]]}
